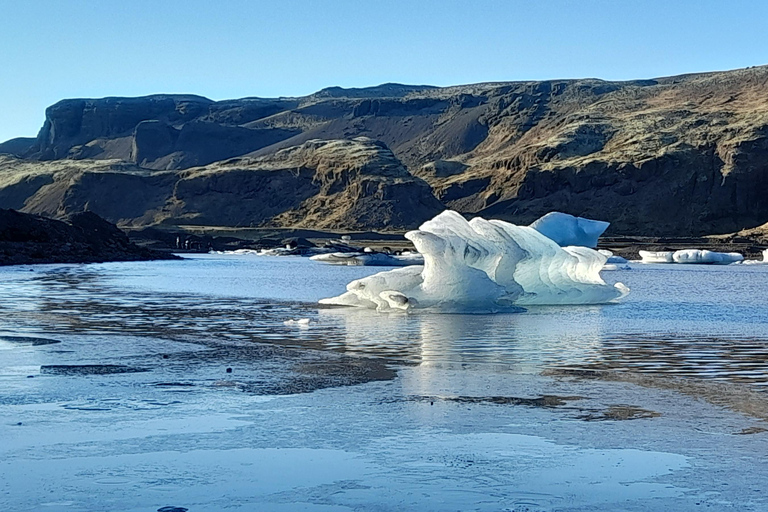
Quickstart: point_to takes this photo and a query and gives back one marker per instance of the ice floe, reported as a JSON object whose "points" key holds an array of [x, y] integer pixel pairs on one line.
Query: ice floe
{"points": [[484, 266], [707, 257], [691, 256], [568, 230], [375, 259]]}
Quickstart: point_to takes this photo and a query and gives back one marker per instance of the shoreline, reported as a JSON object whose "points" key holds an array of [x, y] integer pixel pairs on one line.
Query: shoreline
{"points": [[224, 238]]}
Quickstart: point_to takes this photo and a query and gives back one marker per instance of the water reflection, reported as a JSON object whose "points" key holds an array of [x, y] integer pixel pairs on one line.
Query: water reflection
{"points": [[685, 334], [520, 340]]}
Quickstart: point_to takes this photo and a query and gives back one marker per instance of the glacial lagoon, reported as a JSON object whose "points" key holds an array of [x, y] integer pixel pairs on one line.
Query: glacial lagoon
{"points": [[133, 386]]}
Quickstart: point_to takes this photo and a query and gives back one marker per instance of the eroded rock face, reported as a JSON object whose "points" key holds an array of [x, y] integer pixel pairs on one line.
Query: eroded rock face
{"points": [[350, 184], [347, 184], [684, 155]]}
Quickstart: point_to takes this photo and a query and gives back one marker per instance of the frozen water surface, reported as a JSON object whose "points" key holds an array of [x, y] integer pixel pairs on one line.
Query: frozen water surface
{"points": [[115, 394]]}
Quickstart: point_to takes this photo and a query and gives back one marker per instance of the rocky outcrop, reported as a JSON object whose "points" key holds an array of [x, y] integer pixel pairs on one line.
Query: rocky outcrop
{"points": [[19, 146], [352, 184], [685, 155], [83, 238]]}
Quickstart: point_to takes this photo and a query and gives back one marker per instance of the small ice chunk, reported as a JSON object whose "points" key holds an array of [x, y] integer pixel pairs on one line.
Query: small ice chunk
{"points": [[612, 258], [657, 256], [568, 230], [616, 266], [369, 259], [301, 322]]}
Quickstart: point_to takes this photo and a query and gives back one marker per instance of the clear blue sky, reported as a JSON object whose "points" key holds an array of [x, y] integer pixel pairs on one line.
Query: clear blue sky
{"points": [[54, 49]]}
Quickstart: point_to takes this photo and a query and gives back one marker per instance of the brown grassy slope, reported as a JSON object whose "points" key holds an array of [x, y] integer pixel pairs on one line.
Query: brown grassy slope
{"points": [[350, 184]]}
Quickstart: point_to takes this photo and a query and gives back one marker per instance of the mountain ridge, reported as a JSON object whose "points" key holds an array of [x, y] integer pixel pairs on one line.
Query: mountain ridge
{"points": [[665, 156]]}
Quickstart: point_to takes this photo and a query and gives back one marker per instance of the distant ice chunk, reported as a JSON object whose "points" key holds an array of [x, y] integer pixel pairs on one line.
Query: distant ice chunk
{"points": [[691, 256], [484, 266], [616, 266], [568, 230], [706, 257], [369, 259], [657, 256], [247, 252], [301, 322], [612, 258]]}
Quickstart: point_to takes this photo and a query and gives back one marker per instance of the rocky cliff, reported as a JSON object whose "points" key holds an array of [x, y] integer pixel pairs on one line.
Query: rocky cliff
{"points": [[342, 184], [683, 155]]}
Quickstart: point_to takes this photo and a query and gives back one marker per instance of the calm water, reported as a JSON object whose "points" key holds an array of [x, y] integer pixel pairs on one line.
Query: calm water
{"points": [[707, 322]]}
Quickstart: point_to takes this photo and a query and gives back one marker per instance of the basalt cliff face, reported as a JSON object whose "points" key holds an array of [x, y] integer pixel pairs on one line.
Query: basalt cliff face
{"points": [[685, 155]]}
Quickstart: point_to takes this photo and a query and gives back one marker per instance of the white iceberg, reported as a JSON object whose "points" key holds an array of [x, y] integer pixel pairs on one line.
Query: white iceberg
{"points": [[699, 256], [301, 322], [691, 256], [657, 256], [568, 230], [369, 259], [484, 266]]}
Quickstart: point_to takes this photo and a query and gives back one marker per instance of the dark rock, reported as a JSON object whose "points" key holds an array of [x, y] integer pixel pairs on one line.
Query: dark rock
{"points": [[29, 341], [297, 242], [83, 238], [88, 369], [19, 146]]}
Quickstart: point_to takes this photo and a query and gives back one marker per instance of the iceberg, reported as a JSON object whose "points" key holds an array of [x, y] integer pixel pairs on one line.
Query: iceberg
{"points": [[706, 257], [568, 230], [374, 259], [484, 266], [691, 256]]}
